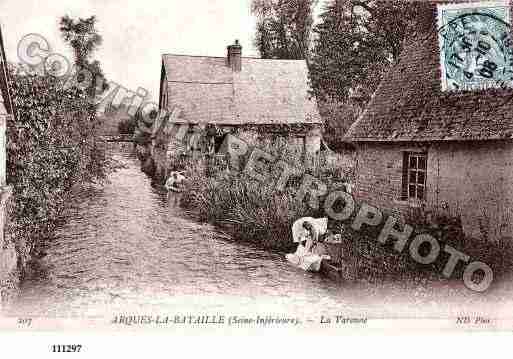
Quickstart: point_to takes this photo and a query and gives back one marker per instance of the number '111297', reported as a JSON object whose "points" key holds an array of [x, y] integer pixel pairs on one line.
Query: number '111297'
{"points": [[74, 348]]}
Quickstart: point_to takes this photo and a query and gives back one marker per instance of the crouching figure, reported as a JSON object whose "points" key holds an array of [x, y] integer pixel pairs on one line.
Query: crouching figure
{"points": [[175, 181], [310, 251]]}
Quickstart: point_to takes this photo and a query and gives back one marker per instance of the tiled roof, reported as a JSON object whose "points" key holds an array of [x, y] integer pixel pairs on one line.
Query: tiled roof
{"points": [[410, 106], [263, 92]]}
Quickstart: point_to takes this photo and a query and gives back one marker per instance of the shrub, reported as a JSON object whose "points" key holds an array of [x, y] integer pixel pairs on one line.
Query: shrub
{"points": [[52, 144]]}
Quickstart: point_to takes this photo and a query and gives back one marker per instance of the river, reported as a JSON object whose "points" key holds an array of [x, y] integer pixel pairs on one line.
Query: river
{"points": [[126, 245]]}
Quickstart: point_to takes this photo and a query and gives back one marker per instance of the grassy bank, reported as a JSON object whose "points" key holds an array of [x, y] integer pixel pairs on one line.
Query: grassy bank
{"points": [[248, 209]]}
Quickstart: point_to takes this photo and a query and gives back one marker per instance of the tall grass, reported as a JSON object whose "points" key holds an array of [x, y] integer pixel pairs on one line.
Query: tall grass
{"points": [[248, 209]]}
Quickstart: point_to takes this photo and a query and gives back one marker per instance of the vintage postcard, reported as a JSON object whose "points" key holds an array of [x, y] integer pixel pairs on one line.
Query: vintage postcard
{"points": [[320, 166]]}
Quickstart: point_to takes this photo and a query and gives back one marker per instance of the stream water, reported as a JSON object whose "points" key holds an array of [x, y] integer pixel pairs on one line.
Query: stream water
{"points": [[128, 245]]}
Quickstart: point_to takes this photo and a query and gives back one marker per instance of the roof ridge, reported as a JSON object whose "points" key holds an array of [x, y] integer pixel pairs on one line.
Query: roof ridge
{"points": [[200, 82], [223, 57]]}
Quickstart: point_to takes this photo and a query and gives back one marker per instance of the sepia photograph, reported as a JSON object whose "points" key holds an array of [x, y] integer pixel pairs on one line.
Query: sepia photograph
{"points": [[223, 166]]}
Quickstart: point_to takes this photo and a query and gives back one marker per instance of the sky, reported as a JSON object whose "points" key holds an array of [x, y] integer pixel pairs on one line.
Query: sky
{"points": [[136, 33]]}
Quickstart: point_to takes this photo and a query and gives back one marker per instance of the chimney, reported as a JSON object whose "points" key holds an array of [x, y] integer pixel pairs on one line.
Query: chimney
{"points": [[235, 56]]}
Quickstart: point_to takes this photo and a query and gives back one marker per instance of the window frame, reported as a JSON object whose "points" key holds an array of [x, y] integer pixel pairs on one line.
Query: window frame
{"points": [[417, 170]]}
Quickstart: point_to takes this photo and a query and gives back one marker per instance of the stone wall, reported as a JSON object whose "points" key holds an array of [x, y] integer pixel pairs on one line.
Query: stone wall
{"points": [[301, 145], [471, 180]]}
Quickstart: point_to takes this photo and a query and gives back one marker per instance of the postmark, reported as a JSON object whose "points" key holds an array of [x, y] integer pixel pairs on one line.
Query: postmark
{"points": [[476, 46]]}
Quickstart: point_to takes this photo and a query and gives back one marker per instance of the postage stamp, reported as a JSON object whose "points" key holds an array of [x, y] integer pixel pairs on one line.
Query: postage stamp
{"points": [[475, 46]]}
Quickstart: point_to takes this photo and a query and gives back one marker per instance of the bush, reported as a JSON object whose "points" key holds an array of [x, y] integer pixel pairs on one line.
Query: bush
{"points": [[362, 257], [52, 144]]}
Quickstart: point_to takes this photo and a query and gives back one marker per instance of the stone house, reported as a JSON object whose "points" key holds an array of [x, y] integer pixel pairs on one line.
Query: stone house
{"points": [[446, 152], [263, 102]]}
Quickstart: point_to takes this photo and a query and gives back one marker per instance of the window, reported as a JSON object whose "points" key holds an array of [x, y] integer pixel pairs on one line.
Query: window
{"points": [[414, 176]]}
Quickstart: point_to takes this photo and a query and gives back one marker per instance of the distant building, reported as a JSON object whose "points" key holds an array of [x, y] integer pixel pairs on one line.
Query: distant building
{"points": [[264, 102], [448, 151]]}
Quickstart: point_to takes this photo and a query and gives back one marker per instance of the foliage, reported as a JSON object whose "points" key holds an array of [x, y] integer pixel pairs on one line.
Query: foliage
{"points": [[356, 42], [283, 28], [53, 143], [338, 118], [248, 209], [83, 37], [143, 128]]}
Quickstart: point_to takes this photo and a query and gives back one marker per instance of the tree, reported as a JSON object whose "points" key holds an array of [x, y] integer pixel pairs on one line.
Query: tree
{"points": [[83, 38], [283, 28], [356, 43]]}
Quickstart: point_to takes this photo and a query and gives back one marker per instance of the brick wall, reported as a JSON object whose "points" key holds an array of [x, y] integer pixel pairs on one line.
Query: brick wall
{"points": [[467, 179], [378, 175]]}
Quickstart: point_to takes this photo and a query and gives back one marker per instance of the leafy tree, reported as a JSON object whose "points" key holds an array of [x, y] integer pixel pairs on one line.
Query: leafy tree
{"points": [[356, 43], [283, 28], [83, 38]]}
